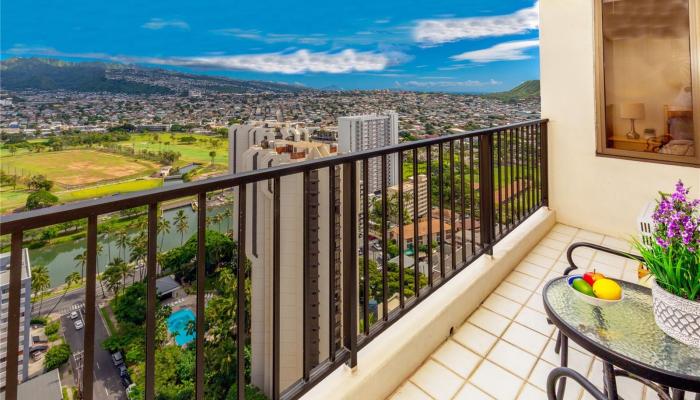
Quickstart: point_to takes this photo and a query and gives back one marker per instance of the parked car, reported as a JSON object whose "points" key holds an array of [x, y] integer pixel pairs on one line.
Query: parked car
{"points": [[126, 381], [74, 315], [38, 348], [40, 339], [123, 372], [78, 324], [117, 358]]}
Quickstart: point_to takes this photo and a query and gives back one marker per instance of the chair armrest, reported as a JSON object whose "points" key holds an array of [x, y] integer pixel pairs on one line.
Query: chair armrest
{"points": [[563, 372], [569, 254]]}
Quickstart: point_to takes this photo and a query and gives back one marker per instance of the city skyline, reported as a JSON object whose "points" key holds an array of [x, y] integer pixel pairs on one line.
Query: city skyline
{"points": [[440, 46]]}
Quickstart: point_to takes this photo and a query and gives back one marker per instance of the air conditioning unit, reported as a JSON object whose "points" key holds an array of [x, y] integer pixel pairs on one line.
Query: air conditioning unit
{"points": [[646, 223]]}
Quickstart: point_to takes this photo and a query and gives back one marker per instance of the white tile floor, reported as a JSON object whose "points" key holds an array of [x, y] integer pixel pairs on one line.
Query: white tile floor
{"points": [[505, 349]]}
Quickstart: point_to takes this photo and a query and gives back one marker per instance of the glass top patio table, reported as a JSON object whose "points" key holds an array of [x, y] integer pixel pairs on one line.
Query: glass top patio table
{"points": [[624, 334]]}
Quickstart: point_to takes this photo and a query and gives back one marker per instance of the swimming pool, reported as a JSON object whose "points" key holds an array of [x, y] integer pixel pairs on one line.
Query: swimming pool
{"points": [[177, 325]]}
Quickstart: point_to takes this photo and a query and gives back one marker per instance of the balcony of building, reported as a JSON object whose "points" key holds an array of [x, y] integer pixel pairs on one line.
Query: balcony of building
{"points": [[322, 287], [506, 348], [323, 313]]}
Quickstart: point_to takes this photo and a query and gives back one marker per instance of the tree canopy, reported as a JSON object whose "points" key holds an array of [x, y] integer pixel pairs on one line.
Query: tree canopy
{"points": [[40, 199], [179, 261]]}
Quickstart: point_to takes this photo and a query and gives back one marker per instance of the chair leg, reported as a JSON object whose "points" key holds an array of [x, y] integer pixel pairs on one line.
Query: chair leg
{"points": [[609, 381], [557, 345], [678, 394], [564, 342]]}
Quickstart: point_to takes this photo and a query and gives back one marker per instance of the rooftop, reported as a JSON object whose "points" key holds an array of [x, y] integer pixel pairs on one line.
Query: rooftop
{"points": [[43, 387], [5, 267]]}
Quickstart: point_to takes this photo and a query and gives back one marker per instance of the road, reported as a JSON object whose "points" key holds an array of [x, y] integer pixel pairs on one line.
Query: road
{"points": [[107, 384], [74, 298]]}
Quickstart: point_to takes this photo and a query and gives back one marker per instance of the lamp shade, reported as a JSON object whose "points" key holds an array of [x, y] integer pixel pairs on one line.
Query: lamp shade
{"points": [[632, 110]]}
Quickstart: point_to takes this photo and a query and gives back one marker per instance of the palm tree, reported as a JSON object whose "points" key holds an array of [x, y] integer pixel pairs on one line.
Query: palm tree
{"points": [[112, 276], [163, 229], [126, 270], [40, 282], [99, 249], [139, 251], [122, 241], [80, 260], [72, 279], [181, 224]]}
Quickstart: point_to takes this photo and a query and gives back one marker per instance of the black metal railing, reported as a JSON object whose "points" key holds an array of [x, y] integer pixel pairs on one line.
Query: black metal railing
{"points": [[492, 181]]}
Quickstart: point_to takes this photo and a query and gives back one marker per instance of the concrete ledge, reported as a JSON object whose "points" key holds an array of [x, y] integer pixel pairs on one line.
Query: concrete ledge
{"points": [[392, 357]]}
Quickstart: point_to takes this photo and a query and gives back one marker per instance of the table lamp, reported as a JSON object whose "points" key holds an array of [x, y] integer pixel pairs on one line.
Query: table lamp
{"points": [[632, 111]]}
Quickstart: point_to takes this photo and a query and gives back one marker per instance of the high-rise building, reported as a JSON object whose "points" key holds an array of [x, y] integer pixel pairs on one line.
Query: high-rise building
{"points": [[243, 136], [298, 240], [408, 188], [371, 131], [25, 314]]}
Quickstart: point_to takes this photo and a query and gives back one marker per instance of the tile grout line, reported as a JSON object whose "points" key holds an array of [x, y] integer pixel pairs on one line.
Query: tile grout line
{"points": [[416, 385], [524, 304]]}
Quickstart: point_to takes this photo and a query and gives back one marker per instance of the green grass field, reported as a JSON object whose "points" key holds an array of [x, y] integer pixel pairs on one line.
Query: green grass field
{"points": [[11, 199], [89, 169], [197, 152], [109, 189], [76, 167]]}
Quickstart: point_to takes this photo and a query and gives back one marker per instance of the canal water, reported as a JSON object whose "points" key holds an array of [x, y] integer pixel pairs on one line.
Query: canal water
{"points": [[59, 258]]}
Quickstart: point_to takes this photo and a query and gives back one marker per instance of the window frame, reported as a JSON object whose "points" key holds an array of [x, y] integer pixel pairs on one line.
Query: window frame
{"points": [[601, 139]]}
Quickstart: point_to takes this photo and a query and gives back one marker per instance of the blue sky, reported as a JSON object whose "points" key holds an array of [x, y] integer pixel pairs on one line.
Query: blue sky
{"points": [[436, 45]]}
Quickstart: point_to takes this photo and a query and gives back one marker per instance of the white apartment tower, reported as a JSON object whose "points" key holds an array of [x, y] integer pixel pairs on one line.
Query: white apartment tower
{"points": [[25, 314], [293, 236], [408, 187], [243, 136], [371, 131]]}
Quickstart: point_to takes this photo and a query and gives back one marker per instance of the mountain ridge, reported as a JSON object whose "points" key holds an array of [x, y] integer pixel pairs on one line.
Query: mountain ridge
{"points": [[95, 76], [526, 90]]}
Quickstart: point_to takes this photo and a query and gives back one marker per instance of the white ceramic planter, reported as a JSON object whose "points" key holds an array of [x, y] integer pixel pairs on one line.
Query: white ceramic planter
{"points": [[676, 316]]}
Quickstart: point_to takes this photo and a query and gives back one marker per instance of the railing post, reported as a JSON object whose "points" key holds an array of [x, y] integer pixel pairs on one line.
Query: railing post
{"points": [[90, 289], [486, 191], [240, 295], [349, 217], [276, 290], [151, 300], [16, 266], [201, 277], [385, 239], [544, 167]]}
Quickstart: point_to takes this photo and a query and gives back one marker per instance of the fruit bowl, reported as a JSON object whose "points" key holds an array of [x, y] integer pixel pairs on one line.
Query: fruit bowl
{"points": [[595, 301]]}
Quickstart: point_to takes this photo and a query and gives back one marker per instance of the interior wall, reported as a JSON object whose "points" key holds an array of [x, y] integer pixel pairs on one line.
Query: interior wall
{"points": [[662, 65], [602, 194]]}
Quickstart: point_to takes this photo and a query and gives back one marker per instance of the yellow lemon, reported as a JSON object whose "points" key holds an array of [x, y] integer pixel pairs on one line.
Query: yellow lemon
{"points": [[607, 289]]}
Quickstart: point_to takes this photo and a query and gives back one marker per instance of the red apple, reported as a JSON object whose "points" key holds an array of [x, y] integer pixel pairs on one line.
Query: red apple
{"points": [[591, 277]]}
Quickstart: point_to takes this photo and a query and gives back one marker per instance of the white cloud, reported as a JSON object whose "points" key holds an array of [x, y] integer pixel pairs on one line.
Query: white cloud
{"points": [[298, 62], [444, 84], [436, 31], [507, 51], [159, 23]]}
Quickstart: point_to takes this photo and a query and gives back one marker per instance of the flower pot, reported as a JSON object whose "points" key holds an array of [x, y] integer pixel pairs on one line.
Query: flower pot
{"points": [[676, 316]]}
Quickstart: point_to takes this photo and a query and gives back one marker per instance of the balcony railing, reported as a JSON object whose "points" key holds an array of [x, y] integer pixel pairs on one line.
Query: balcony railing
{"points": [[491, 181]]}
